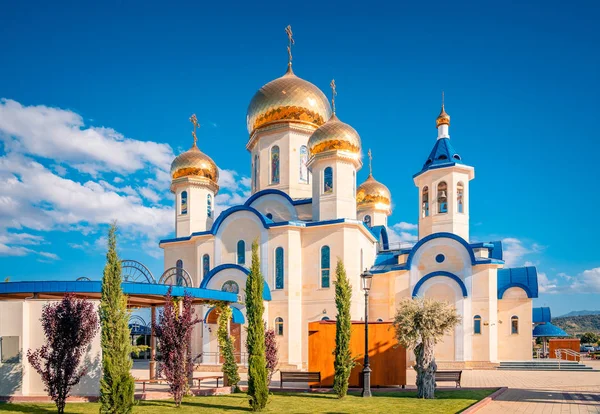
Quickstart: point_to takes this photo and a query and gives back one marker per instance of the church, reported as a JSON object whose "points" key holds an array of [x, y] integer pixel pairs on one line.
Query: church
{"points": [[307, 211]]}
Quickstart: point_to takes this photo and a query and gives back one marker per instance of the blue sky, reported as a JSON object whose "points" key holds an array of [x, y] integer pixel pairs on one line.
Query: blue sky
{"points": [[96, 100]]}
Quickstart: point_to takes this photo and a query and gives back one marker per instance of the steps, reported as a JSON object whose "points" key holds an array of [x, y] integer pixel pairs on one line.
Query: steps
{"points": [[544, 365]]}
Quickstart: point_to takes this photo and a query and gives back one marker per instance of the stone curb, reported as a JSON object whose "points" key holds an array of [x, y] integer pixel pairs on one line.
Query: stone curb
{"points": [[480, 404]]}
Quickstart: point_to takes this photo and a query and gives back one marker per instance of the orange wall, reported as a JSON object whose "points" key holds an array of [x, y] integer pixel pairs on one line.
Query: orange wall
{"points": [[572, 344]]}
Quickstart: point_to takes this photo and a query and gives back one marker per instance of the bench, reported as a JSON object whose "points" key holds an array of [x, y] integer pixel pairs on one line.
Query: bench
{"points": [[446, 376], [298, 376], [149, 381], [200, 379]]}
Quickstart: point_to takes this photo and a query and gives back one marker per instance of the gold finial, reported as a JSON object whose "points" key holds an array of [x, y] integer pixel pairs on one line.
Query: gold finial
{"points": [[288, 30], [194, 121], [370, 162], [443, 118], [333, 94]]}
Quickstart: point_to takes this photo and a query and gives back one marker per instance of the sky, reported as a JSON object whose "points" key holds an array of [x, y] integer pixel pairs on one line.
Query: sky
{"points": [[95, 100]]}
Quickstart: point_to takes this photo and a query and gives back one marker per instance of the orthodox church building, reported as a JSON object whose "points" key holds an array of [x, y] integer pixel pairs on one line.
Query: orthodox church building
{"points": [[307, 212]]}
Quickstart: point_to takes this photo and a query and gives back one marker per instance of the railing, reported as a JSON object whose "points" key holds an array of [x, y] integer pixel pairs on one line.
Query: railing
{"points": [[567, 353], [214, 358], [395, 246]]}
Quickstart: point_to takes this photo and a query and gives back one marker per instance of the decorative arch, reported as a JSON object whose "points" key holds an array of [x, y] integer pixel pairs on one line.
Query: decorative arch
{"points": [[235, 209], [134, 271], [83, 279], [452, 276], [214, 271], [452, 236], [236, 315], [502, 290], [176, 276]]}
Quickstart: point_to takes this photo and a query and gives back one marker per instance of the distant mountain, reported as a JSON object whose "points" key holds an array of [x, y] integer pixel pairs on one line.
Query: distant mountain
{"points": [[574, 325], [580, 313]]}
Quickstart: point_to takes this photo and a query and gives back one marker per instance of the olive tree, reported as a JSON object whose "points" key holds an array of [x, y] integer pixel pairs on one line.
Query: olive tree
{"points": [[420, 324]]}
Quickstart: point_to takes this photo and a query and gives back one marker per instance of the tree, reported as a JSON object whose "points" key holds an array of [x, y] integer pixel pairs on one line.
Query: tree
{"points": [[271, 352], [174, 332], [420, 324], [69, 327], [258, 391], [230, 368], [589, 338], [117, 385], [343, 362]]}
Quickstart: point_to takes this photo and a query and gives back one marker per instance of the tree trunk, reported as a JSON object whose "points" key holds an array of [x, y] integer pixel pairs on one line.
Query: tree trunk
{"points": [[426, 368]]}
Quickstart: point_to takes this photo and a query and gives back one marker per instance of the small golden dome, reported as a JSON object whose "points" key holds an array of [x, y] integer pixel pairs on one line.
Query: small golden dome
{"points": [[287, 99], [443, 118], [372, 193], [334, 135], [194, 163]]}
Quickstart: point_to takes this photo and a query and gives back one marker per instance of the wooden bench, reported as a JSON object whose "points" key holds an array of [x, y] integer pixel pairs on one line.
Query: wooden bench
{"points": [[149, 381], [298, 376], [447, 376], [200, 379]]}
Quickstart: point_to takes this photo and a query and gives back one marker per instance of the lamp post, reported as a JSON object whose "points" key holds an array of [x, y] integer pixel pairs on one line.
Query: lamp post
{"points": [[366, 278]]}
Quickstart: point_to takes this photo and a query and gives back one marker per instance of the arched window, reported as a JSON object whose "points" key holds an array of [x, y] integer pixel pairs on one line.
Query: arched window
{"points": [[179, 272], [442, 197], [325, 266], [425, 202], [353, 183], [279, 268], [256, 172], [279, 326], [231, 287], [379, 320], [514, 325], [460, 197], [367, 220], [209, 205], [275, 165], [303, 168], [325, 318], [205, 265], [477, 325], [361, 261], [241, 252], [328, 180], [183, 202]]}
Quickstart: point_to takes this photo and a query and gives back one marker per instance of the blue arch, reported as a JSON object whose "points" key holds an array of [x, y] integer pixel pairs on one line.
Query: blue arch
{"points": [[514, 284], [436, 274], [438, 236], [215, 227], [258, 195], [213, 272], [236, 315]]}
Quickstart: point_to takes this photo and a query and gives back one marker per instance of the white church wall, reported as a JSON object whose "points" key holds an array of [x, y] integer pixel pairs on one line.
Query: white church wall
{"points": [[515, 347]]}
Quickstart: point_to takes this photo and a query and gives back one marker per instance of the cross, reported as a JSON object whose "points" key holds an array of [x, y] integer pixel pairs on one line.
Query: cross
{"points": [[442, 99], [288, 30], [333, 94], [370, 162], [194, 121]]}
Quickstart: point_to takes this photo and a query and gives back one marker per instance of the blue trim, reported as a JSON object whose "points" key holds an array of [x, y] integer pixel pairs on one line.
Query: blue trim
{"points": [[547, 329], [541, 315], [521, 277], [213, 272], [236, 315], [441, 156], [438, 236], [268, 191], [380, 233], [436, 274]]}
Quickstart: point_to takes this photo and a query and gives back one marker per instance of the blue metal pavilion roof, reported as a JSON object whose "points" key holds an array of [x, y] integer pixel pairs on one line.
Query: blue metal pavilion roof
{"points": [[521, 277], [442, 155], [541, 315], [547, 329]]}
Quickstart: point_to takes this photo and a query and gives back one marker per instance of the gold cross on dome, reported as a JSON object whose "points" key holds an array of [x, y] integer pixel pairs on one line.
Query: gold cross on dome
{"points": [[370, 162], [288, 31], [333, 94], [194, 121]]}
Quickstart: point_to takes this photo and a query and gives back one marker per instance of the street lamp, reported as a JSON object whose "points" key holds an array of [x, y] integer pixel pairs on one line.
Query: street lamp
{"points": [[366, 278]]}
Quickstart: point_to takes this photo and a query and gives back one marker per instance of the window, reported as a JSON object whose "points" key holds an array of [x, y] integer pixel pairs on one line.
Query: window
{"points": [[270, 216], [303, 177], [209, 205], [325, 318], [205, 265], [328, 180], [179, 272], [367, 220], [183, 203], [231, 287], [477, 325], [241, 252], [9, 349], [325, 266], [425, 205], [353, 183], [275, 165], [514, 325], [256, 172], [379, 320], [279, 326], [361, 261], [279, 268], [442, 198], [460, 197]]}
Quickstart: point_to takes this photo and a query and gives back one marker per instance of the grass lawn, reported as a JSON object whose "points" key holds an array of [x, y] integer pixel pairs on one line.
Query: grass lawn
{"points": [[385, 402]]}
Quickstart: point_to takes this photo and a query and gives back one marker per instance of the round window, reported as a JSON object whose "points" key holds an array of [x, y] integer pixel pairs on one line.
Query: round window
{"points": [[440, 258]]}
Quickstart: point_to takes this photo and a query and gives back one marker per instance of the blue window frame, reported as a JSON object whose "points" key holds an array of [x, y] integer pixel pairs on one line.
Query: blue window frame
{"points": [[477, 324], [328, 180], [325, 266], [184, 201], [275, 165], [241, 252], [279, 268], [205, 265], [209, 205]]}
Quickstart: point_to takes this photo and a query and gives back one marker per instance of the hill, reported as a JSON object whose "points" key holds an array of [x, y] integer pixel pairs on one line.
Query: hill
{"points": [[581, 313], [574, 325]]}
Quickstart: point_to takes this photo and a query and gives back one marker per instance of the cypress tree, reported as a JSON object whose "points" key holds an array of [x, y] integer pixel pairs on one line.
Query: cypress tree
{"points": [[343, 362], [117, 385], [258, 391]]}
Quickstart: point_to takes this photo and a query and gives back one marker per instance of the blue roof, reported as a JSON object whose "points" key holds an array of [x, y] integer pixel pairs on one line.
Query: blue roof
{"points": [[541, 315], [496, 251], [521, 277], [384, 261], [547, 329], [380, 233], [442, 155]]}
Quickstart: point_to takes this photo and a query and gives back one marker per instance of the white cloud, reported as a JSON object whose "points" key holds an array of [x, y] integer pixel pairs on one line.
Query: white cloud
{"points": [[405, 226], [515, 250], [403, 232], [150, 194], [587, 281], [547, 285]]}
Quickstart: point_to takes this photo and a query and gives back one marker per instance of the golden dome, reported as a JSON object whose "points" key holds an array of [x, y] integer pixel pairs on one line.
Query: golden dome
{"points": [[194, 163], [443, 118], [334, 135], [287, 99], [373, 193]]}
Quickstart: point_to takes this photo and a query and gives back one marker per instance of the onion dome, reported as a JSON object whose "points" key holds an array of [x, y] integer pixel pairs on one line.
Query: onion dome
{"points": [[194, 163], [443, 118], [334, 135], [373, 194], [287, 99]]}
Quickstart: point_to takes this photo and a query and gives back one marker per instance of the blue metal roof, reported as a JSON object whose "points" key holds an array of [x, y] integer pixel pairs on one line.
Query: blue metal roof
{"points": [[541, 315], [384, 261], [442, 155], [522, 277], [547, 329], [380, 233]]}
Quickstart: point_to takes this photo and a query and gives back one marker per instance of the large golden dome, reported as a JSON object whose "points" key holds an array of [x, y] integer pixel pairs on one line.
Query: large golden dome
{"points": [[334, 135], [194, 163], [372, 193], [287, 99]]}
